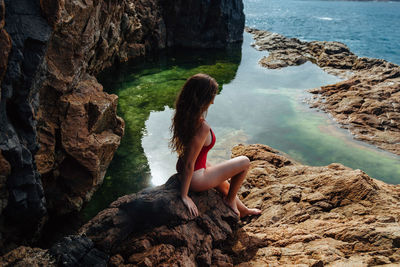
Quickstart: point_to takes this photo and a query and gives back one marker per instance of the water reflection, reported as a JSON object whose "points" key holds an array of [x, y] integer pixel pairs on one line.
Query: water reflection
{"points": [[266, 106], [151, 87]]}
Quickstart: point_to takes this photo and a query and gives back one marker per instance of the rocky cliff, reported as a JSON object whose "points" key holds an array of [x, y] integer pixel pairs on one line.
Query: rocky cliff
{"points": [[367, 101], [311, 216], [59, 130]]}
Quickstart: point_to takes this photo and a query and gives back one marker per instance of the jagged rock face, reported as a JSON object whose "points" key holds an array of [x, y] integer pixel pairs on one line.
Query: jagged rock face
{"points": [[79, 130], [191, 23], [50, 52], [29, 33], [315, 216], [153, 227], [367, 102]]}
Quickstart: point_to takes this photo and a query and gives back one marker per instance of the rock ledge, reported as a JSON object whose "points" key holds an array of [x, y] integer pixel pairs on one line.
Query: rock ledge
{"points": [[367, 102], [311, 216]]}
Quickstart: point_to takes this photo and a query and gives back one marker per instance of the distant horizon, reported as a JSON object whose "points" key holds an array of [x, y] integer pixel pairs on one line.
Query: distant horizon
{"points": [[348, 22], [362, 0]]}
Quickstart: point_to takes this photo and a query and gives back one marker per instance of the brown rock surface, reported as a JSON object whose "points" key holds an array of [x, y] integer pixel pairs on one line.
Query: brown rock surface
{"points": [[367, 102], [311, 216], [315, 216], [153, 228], [78, 128], [26, 256], [90, 133]]}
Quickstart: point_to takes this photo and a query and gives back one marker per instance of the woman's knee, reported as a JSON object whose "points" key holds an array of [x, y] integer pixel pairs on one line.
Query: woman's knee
{"points": [[244, 161]]}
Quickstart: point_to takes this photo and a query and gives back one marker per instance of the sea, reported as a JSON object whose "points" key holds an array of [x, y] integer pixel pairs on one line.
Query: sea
{"points": [[368, 28]]}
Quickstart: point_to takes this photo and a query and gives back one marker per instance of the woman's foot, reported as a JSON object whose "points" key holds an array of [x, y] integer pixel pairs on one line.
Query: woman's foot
{"points": [[250, 212], [232, 205]]}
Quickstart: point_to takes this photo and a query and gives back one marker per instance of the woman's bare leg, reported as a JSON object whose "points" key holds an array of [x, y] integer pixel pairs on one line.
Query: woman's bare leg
{"points": [[236, 182], [223, 188], [213, 176]]}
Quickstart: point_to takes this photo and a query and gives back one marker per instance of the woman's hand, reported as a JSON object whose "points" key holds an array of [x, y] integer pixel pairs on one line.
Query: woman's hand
{"points": [[190, 205]]}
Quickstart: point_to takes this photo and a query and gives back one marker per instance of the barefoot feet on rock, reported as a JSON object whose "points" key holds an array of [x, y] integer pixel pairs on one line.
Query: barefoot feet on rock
{"points": [[232, 205], [250, 212]]}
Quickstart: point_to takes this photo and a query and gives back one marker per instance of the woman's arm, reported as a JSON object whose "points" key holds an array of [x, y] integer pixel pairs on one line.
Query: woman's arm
{"points": [[191, 155]]}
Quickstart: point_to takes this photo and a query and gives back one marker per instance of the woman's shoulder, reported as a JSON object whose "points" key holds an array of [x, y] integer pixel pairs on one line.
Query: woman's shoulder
{"points": [[204, 127]]}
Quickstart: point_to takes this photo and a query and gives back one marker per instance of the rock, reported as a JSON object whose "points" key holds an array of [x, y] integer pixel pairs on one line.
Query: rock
{"points": [[70, 251], [77, 251], [26, 256], [57, 125], [185, 27], [153, 227], [28, 33], [5, 170], [315, 216], [311, 216], [90, 115], [5, 44], [367, 102]]}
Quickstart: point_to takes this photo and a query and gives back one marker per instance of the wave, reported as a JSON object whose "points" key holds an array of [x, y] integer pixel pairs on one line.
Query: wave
{"points": [[324, 18]]}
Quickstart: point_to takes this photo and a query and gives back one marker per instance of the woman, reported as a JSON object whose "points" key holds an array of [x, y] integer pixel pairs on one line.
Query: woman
{"points": [[193, 138]]}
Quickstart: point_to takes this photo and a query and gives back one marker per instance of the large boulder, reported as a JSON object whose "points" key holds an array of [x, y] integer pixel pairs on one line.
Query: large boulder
{"points": [[154, 227]]}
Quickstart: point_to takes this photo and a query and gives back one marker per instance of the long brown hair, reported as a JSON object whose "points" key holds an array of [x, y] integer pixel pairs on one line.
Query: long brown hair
{"points": [[193, 100]]}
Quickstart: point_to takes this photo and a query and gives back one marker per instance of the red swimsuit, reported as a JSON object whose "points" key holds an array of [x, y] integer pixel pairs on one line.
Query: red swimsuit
{"points": [[201, 158]]}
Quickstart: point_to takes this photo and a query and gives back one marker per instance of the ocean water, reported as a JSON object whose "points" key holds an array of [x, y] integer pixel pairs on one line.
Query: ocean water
{"points": [[369, 29]]}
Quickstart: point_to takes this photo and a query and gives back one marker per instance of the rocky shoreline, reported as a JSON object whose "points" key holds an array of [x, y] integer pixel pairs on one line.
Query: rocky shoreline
{"points": [[367, 101], [59, 132], [311, 216]]}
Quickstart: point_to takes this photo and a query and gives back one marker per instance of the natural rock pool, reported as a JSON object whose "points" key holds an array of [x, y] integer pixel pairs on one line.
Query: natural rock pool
{"points": [[255, 105]]}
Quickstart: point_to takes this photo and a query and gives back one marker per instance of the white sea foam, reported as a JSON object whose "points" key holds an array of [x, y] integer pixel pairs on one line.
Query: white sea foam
{"points": [[324, 18]]}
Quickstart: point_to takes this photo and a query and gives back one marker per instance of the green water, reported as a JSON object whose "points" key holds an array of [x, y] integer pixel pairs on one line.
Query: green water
{"points": [[147, 87], [255, 105]]}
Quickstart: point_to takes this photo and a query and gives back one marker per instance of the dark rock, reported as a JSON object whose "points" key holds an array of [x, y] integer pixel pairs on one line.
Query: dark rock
{"points": [[5, 44], [203, 23], [29, 34], [77, 251], [57, 126], [153, 227]]}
